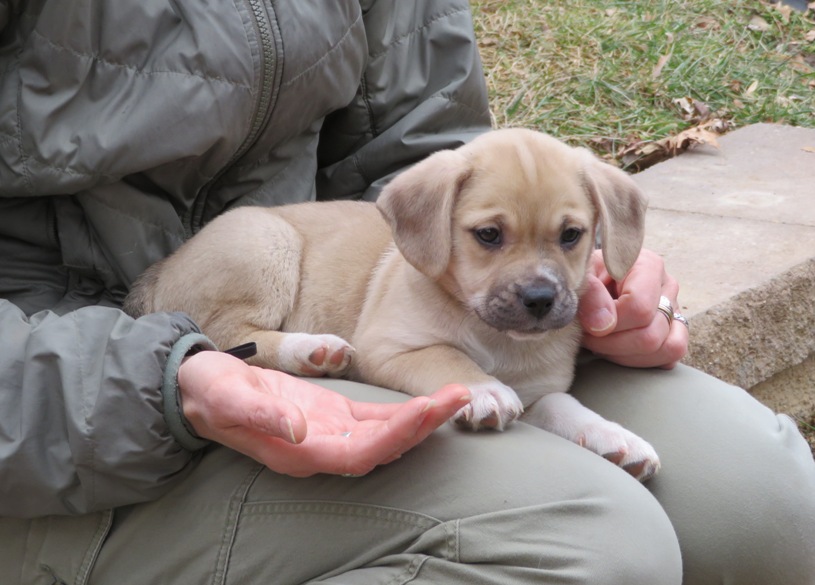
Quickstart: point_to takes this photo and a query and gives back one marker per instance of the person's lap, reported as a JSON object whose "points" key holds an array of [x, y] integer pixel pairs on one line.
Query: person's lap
{"points": [[737, 480], [517, 506]]}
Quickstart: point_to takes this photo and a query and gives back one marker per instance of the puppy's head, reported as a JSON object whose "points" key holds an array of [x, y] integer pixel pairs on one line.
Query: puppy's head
{"points": [[507, 223]]}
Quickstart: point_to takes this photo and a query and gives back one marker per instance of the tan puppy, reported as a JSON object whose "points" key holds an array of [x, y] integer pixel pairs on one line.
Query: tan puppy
{"points": [[492, 243]]}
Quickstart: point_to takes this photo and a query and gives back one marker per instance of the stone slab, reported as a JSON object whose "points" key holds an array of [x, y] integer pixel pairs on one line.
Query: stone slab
{"points": [[736, 226]]}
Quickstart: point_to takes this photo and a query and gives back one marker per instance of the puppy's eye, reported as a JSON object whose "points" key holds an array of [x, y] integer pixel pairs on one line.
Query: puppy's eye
{"points": [[490, 236], [570, 236]]}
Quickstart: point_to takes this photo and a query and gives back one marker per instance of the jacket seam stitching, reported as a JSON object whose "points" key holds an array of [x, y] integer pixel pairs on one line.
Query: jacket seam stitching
{"points": [[142, 221], [135, 69], [366, 99], [453, 100], [325, 55], [418, 29], [24, 157], [355, 159], [89, 440]]}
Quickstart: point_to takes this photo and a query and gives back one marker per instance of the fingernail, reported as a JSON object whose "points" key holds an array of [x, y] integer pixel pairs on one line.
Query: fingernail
{"points": [[601, 320], [430, 404], [286, 428], [465, 398]]}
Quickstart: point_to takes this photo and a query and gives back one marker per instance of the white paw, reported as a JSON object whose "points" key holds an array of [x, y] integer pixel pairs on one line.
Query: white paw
{"points": [[315, 355], [563, 415], [493, 406], [620, 446]]}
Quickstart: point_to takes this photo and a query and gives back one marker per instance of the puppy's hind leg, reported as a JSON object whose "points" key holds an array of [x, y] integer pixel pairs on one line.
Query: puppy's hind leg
{"points": [[271, 288]]}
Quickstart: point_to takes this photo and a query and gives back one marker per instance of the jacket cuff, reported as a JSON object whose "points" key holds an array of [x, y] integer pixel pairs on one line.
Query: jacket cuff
{"points": [[173, 413]]}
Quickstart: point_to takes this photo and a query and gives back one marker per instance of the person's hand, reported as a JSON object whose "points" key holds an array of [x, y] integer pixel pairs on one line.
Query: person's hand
{"points": [[620, 320], [300, 429]]}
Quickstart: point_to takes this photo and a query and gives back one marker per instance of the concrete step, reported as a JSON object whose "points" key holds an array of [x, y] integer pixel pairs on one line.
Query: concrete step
{"points": [[736, 226]]}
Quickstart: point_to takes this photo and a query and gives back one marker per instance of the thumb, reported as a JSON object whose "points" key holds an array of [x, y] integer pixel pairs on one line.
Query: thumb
{"points": [[270, 415], [597, 313]]}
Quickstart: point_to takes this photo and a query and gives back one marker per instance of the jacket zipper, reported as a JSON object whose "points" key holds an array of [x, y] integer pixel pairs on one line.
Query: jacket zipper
{"points": [[270, 73]]}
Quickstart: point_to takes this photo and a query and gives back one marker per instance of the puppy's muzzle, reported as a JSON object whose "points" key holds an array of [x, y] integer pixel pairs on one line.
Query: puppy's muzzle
{"points": [[538, 300]]}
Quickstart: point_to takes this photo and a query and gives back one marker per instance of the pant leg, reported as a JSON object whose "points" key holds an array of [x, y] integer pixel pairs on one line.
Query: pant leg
{"points": [[520, 507], [737, 480]]}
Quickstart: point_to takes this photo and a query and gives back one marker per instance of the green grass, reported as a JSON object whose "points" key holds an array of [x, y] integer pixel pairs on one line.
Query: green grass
{"points": [[587, 71], [808, 430]]}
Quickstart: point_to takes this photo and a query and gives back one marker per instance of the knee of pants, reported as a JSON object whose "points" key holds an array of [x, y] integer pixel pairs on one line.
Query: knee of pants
{"points": [[611, 532], [737, 479]]}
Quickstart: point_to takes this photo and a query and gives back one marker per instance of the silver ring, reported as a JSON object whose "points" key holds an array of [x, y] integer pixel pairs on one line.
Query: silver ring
{"points": [[681, 318], [350, 475], [346, 434], [666, 308]]}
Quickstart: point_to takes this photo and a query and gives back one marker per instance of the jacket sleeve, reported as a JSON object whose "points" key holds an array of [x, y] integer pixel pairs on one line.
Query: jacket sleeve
{"points": [[82, 414], [423, 90]]}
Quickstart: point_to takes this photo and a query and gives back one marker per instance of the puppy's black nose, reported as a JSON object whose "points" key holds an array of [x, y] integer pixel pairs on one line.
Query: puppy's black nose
{"points": [[538, 300]]}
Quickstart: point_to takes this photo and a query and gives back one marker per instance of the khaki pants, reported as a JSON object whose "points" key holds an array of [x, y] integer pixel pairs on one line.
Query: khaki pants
{"points": [[734, 503]]}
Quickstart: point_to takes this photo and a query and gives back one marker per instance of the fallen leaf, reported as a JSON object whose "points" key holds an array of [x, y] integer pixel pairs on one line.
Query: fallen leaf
{"points": [[810, 36], [752, 88], [661, 62], [785, 11], [809, 149], [644, 154], [692, 110], [707, 23], [757, 23]]}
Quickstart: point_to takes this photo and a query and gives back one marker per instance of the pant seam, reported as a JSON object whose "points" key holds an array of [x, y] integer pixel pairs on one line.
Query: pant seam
{"points": [[233, 516]]}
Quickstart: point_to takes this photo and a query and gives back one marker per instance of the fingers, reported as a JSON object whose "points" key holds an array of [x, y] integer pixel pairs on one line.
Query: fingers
{"points": [[657, 345], [371, 442], [642, 336], [640, 291], [597, 312]]}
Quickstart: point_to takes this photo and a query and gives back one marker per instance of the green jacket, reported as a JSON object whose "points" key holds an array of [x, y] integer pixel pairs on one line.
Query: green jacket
{"points": [[124, 128]]}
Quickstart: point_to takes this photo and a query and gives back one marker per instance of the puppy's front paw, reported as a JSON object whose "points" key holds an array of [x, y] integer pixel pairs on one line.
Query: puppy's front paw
{"points": [[563, 415], [493, 406], [315, 355], [620, 446]]}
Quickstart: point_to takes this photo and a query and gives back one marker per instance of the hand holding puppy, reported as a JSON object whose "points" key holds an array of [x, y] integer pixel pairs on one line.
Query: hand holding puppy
{"points": [[298, 428], [620, 320]]}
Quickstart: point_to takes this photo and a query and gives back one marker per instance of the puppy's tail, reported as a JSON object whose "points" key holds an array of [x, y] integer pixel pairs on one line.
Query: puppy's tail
{"points": [[140, 300]]}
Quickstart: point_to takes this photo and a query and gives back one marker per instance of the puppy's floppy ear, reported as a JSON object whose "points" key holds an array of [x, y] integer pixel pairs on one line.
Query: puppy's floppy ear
{"points": [[418, 205], [621, 207]]}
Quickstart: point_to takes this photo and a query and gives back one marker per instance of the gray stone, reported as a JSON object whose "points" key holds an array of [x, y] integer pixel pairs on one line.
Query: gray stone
{"points": [[736, 226]]}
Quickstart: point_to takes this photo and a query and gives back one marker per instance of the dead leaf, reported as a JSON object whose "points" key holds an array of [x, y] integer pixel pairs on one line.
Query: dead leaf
{"points": [[810, 36], [809, 149], [661, 62], [751, 88], [707, 23], [692, 110], [641, 155], [802, 63], [757, 23], [785, 11]]}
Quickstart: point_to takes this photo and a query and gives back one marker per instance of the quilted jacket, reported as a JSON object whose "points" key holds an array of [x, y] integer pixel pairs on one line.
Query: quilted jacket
{"points": [[124, 128]]}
